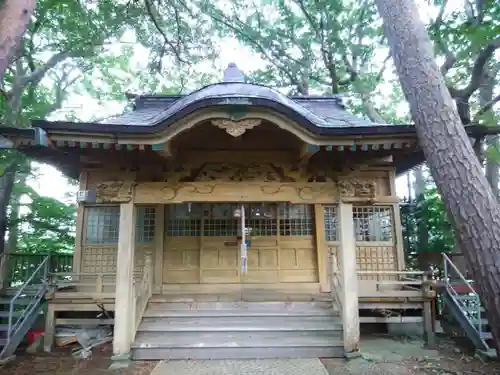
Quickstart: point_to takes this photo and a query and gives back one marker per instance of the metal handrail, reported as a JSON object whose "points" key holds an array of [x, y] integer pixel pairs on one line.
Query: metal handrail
{"points": [[37, 297], [449, 288]]}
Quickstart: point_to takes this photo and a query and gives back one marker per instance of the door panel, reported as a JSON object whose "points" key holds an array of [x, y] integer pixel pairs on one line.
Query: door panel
{"points": [[181, 260], [220, 260]]}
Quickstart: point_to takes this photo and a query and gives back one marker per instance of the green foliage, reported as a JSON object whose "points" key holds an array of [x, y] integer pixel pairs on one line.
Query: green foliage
{"points": [[320, 46], [427, 214], [432, 212], [47, 225]]}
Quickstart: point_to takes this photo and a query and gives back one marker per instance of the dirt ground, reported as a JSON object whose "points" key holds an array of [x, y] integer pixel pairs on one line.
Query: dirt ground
{"points": [[381, 355]]}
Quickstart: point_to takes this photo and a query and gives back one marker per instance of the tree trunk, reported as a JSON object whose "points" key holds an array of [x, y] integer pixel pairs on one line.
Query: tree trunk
{"points": [[468, 197], [15, 17]]}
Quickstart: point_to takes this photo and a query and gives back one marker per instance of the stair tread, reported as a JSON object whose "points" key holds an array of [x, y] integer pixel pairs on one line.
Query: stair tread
{"points": [[153, 312], [236, 339], [240, 305], [203, 324]]}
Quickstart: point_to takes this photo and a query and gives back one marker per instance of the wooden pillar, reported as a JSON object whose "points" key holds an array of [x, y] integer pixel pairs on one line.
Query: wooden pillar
{"points": [[50, 328], [122, 337], [349, 280]]}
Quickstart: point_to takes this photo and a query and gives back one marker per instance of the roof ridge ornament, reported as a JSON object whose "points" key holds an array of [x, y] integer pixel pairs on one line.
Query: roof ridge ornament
{"points": [[233, 74]]}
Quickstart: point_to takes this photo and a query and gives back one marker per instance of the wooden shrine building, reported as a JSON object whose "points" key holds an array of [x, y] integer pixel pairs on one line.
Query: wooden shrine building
{"points": [[194, 207]]}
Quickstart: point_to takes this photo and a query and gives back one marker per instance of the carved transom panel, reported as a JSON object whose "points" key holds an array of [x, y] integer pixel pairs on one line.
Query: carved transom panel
{"points": [[114, 191], [233, 172]]}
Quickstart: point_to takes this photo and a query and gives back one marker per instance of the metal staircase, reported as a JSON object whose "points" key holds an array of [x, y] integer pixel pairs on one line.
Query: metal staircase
{"points": [[463, 302], [19, 307]]}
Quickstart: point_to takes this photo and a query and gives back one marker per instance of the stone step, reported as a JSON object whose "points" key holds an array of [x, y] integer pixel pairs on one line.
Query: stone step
{"points": [[231, 345], [158, 354], [240, 305], [239, 324], [162, 313]]}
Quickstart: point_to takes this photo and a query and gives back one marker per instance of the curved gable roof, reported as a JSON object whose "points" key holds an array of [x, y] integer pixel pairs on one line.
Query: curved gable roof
{"points": [[319, 115]]}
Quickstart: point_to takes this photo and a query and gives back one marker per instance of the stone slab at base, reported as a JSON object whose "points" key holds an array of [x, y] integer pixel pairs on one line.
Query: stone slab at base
{"points": [[119, 364], [352, 355], [120, 357], [406, 329]]}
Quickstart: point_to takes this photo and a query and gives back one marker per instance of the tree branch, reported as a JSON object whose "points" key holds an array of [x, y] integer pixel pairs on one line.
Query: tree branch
{"points": [[36, 76], [166, 39], [477, 71], [488, 106]]}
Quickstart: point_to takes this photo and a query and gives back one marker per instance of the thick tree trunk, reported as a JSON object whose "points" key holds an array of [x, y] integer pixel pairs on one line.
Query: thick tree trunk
{"points": [[15, 17], [466, 193]]}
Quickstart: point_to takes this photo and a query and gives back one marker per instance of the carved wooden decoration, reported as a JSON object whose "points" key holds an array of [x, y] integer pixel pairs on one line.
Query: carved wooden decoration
{"points": [[355, 191], [234, 172], [114, 192], [357, 188], [236, 128]]}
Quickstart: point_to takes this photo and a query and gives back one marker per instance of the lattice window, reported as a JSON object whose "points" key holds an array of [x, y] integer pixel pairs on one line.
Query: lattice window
{"points": [[373, 223], [145, 224], [184, 220], [221, 227], [330, 214], [295, 219], [102, 224], [261, 227], [260, 220]]}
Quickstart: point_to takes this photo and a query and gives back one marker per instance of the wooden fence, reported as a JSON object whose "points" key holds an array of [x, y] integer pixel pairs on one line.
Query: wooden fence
{"points": [[22, 265]]}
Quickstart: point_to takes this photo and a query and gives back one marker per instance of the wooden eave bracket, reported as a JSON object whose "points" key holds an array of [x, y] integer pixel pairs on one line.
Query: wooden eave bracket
{"points": [[306, 152]]}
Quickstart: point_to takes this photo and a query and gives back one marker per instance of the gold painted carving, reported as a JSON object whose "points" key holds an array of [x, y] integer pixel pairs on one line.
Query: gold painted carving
{"points": [[114, 191], [236, 128]]}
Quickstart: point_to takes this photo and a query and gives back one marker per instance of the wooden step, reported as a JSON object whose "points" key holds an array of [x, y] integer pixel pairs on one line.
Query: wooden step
{"points": [[238, 324]]}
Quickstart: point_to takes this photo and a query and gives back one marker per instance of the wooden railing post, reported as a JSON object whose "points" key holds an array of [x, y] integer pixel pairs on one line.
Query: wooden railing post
{"points": [[349, 280], [99, 288], [148, 267], [430, 337]]}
